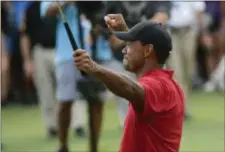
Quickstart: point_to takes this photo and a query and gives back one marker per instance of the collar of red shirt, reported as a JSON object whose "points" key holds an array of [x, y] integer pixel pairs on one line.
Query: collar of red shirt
{"points": [[159, 72]]}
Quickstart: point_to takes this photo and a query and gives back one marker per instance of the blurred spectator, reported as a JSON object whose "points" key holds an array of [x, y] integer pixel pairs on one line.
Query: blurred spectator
{"points": [[213, 11], [133, 12], [186, 20], [66, 73], [101, 53], [4, 69], [38, 52], [93, 91], [5, 51], [19, 88], [217, 76]]}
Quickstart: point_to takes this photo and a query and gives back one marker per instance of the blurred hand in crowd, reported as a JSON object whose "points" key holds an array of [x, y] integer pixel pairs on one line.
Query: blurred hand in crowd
{"points": [[116, 22], [206, 40], [4, 59], [4, 69], [28, 69]]}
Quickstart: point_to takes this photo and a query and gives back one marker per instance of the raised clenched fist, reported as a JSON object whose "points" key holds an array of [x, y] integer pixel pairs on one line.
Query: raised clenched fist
{"points": [[116, 22]]}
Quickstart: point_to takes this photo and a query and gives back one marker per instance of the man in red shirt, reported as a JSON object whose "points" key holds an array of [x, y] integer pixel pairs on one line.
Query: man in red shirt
{"points": [[156, 111]]}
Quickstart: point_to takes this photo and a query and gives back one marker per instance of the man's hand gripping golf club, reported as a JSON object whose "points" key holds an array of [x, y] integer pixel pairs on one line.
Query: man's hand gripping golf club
{"points": [[82, 60]]}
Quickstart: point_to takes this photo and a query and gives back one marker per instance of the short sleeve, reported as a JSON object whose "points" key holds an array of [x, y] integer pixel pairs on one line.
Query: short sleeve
{"points": [[163, 7], [199, 6], [44, 7], [157, 96]]}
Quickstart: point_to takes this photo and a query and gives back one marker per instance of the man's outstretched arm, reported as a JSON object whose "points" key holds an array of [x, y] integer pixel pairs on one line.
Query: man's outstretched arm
{"points": [[122, 86]]}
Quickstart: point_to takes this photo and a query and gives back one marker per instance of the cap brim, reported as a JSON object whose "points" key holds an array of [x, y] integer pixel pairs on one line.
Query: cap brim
{"points": [[126, 36]]}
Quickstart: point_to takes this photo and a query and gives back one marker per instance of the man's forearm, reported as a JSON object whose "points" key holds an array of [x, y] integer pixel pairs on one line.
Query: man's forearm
{"points": [[116, 43], [121, 85], [25, 47], [53, 9], [201, 24], [3, 43]]}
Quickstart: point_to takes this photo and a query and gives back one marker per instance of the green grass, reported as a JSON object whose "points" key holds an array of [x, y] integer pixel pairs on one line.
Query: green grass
{"points": [[23, 130]]}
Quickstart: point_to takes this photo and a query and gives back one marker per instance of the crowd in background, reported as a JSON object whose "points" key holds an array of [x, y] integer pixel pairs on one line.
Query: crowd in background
{"points": [[20, 89], [30, 46]]}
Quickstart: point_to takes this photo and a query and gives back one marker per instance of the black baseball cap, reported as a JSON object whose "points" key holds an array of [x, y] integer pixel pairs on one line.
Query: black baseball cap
{"points": [[150, 32]]}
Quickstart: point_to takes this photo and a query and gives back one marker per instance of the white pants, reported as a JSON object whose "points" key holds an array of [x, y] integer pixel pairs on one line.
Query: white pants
{"points": [[217, 78], [79, 114], [44, 78], [45, 83], [182, 58]]}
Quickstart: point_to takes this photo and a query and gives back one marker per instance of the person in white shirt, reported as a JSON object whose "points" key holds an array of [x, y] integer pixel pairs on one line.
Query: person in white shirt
{"points": [[185, 22]]}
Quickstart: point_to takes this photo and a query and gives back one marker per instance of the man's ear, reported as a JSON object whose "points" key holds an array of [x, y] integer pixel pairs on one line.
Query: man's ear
{"points": [[148, 50]]}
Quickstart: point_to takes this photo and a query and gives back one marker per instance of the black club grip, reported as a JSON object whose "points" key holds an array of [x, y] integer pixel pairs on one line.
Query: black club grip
{"points": [[72, 41]]}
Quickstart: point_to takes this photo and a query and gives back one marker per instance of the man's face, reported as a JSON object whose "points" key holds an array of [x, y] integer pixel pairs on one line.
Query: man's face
{"points": [[134, 58]]}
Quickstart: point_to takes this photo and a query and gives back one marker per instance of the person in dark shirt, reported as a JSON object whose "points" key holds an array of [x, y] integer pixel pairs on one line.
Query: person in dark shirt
{"points": [[68, 77], [38, 52], [6, 50], [5, 58]]}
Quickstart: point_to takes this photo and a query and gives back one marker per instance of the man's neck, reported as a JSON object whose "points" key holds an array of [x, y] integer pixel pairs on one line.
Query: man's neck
{"points": [[146, 69]]}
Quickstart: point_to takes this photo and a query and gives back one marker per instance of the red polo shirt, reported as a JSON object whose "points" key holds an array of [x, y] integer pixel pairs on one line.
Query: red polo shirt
{"points": [[159, 127]]}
